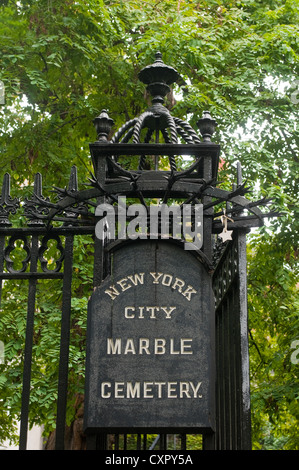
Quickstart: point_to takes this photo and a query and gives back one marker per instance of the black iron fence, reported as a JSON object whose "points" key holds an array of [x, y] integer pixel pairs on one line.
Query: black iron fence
{"points": [[72, 214], [23, 257], [232, 357], [34, 269], [232, 380]]}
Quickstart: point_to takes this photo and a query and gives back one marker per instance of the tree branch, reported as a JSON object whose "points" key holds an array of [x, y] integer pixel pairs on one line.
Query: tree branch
{"points": [[65, 123]]}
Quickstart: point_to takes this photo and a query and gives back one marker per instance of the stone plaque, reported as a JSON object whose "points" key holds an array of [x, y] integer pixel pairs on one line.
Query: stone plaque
{"points": [[149, 343]]}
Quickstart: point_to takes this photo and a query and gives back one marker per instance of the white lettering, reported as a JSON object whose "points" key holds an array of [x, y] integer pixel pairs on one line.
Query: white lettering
{"points": [[188, 292], [123, 285], [185, 347], [138, 312], [160, 345], [164, 279], [112, 293], [167, 280], [157, 459], [144, 345], [137, 278], [178, 283], [172, 351], [152, 311], [168, 311], [115, 460], [171, 389], [133, 391], [130, 347], [151, 390], [147, 390], [113, 347], [105, 228], [119, 389], [103, 392], [157, 346], [159, 385], [156, 277], [141, 312], [295, 354], [184, 389], [137, 228], [195, 389], [129, 315]]}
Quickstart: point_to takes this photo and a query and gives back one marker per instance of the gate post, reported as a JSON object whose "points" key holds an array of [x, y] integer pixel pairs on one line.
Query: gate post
{"points": [[167, 318], [106, 390], [233, 428]]}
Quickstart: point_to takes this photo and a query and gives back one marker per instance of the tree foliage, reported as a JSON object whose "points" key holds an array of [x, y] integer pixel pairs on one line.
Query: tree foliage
{"points": [[62, 62]]}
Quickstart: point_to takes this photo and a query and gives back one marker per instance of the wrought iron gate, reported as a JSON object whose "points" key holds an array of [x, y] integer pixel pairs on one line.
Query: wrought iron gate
{"points": [[231, 338], [32, 242], [73, 215]]}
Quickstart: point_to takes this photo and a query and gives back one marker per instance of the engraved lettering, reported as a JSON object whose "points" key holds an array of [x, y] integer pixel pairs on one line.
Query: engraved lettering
{"points": [[147, 390], [167, 280], [130, 347], [184, 390], [113, 347], [123, 284], [156, 277], [152, 311], [113, 292], [188, 292], [185, 347], [141, 312], [159, 385], [127, 312], [160, 346], [195, 389], [179, 284], [144, 345], [137, 278], [168, 311], [157, 346], [119, 389], [105, 394], [172, 351], [164, 279], [151, 390], [133, 391], [171, 390]]}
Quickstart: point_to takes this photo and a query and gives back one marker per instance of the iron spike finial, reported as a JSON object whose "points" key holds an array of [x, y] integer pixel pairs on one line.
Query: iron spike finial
{"points": [[37, 187], [158, 56], [158, 76], [103, 124], [37, 207], [73, 181], [8, 205], [158, 72], [206, 126]]}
